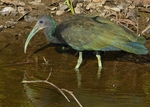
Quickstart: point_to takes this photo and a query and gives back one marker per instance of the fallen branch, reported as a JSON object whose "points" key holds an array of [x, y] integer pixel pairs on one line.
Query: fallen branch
{"points": [[60, 90]]}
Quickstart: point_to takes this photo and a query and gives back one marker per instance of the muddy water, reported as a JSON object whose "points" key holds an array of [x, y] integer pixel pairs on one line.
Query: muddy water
{"points": [[124, 79], [123, 82]]}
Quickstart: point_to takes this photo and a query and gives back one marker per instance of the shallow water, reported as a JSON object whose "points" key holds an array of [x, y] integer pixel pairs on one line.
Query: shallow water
{"points": [[124, 80], [122, 83]]}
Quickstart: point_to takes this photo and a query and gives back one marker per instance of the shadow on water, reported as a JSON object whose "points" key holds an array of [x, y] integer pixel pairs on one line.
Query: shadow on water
{"points": [[58, 48], [109, 56]]}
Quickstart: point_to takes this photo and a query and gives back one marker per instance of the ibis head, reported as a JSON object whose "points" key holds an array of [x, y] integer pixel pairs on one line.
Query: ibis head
{"points": [[45, 22]]}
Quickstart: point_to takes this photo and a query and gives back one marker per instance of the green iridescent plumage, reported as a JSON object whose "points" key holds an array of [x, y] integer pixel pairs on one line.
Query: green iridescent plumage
{"points": [[86, 32]]}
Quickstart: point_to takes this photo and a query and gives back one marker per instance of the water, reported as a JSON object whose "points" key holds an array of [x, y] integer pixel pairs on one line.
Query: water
{"points": [[121, 83], [124, 79]]}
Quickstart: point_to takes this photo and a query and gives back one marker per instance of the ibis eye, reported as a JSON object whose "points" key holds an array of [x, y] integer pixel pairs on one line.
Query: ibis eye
{"points": [[41, 21]]}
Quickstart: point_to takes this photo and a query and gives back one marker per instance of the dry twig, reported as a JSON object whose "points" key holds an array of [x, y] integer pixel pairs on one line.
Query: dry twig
{"points": [[146, 29]]}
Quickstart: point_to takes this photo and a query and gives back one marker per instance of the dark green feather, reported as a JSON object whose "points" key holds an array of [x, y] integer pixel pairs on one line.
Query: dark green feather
{"points": [[96, 33]]}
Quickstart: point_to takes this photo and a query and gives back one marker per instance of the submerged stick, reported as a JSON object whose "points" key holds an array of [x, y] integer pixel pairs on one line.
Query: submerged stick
{"points": [[60, 90], [71, 93]]}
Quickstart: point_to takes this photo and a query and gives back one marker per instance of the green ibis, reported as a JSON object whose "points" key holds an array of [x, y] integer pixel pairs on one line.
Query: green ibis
{"points": [[86, 32]]}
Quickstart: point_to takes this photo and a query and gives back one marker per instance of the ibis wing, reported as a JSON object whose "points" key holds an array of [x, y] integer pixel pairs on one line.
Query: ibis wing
{"points": [[94, 33]]}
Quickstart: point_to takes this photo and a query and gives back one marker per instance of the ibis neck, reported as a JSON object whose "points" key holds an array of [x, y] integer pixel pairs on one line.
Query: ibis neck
{"points": [[49, 31]]}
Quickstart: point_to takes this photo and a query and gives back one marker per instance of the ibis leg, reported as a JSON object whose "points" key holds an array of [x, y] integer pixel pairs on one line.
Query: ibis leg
{"points": [[99, 60], [99, 64], [79, 77], [79, 61]]}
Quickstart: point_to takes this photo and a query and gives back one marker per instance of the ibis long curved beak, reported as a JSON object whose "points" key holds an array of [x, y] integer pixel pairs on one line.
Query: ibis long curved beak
{"points": [[32, 33]]}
